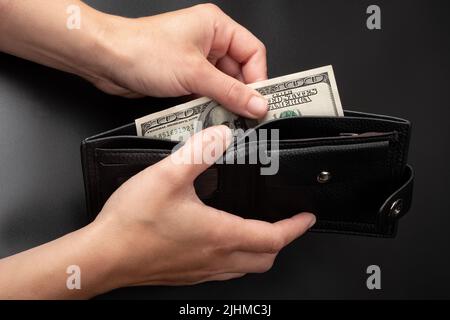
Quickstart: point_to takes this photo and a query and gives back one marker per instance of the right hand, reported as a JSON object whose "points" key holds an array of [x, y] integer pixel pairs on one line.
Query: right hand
{"points": [[161, 233]]}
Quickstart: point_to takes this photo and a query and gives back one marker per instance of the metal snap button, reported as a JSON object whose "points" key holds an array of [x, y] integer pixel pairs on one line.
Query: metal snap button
{"points": [[396, 207], [323, 177]]}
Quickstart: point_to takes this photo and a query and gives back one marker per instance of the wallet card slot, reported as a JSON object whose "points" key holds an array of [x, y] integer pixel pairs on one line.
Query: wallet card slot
{"points": [[322, 127], [343, 138], [304, 131], [360, 176], [130, 156], [115, 166], [302, 165], [134, 143]]}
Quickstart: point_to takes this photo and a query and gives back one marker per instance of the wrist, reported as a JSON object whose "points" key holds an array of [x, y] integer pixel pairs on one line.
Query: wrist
{"points": [[108, 43], [93, 51], [102, 258], [133, 255], [47, 37]]}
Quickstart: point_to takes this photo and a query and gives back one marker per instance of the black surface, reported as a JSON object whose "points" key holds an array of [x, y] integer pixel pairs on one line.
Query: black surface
{"points": [[401, 70]]}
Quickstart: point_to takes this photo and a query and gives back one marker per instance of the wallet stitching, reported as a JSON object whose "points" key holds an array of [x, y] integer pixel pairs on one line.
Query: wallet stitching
{"points": [[91, 172], [91, 184], [338, 142], [87, 173], [126, 154], [360, 227], [97, 181]]}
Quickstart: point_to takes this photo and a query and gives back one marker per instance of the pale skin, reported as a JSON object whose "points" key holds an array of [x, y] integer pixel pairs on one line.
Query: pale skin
{"points": [[153, 230]]}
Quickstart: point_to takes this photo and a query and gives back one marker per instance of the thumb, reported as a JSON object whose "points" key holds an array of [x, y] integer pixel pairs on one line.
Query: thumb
{"points": [[295, 226], [199, 152], [229, 92]]}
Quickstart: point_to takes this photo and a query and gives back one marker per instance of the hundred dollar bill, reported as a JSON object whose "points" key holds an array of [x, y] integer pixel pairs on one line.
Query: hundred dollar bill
{"points": [[308, 93]]}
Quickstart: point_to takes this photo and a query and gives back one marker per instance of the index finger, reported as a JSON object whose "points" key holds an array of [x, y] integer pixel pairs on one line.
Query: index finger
{"points": [[250, 52], [233, 40]]}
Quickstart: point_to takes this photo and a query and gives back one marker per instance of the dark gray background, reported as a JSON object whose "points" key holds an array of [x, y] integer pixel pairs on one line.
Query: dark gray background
{"points": [[401, 70]]}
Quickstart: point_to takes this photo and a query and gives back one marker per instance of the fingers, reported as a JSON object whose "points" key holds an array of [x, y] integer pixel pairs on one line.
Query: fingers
{"points": [[294, 227], [198, 153], [259, 236], [247, 50], [239, 44], [238, 53], [229, 92], [230, 67]]}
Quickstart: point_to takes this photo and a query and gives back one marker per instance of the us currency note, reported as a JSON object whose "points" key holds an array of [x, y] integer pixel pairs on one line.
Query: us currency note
{"points": [[308, 93]]}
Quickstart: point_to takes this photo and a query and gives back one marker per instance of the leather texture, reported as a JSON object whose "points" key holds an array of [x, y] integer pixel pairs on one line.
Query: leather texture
{"points": [[369, 189]]}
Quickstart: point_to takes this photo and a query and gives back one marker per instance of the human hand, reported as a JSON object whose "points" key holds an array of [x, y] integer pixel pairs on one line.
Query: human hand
{"points": [[195, 50], [161, 233], [153, 229]]}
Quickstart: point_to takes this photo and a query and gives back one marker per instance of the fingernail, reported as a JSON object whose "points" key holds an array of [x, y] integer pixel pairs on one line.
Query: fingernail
{"points": [[312, 222], [257, 106]]}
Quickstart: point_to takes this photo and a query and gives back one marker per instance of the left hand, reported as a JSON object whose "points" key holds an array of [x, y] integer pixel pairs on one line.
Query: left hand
{"points": [[197, 50]]}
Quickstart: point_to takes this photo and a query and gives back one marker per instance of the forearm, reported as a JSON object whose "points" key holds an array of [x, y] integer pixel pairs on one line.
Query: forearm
{"points": [[140, 237], [40, 273], [37, 30]]}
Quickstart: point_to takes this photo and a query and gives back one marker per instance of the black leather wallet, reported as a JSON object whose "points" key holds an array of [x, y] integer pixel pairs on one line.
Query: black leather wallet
{"points": [[350, 171]]}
